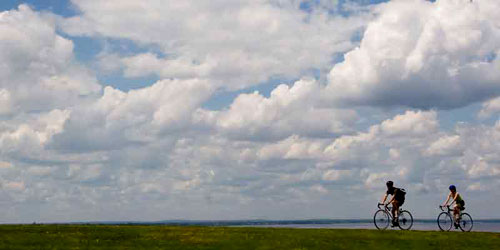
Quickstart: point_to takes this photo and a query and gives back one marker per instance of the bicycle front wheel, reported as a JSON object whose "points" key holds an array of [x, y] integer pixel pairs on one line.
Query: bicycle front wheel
{"points": [[466, 223], [444, 221], [381, 219], [405, 220]]}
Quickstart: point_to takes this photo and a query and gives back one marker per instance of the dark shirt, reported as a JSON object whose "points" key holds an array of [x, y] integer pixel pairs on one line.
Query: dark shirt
{"points": [[396, 192], [391, 190]]}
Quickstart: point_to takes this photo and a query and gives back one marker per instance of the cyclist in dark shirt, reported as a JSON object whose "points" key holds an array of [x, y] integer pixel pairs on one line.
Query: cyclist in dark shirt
{"points": [[397, 200]]}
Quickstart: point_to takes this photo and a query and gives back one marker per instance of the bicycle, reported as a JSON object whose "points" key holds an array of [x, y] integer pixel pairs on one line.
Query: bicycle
{"points": [[383, 217], [446, 219]]}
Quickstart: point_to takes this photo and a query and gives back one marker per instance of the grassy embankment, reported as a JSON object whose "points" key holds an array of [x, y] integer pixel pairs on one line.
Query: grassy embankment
{"points": [[177, 237]]}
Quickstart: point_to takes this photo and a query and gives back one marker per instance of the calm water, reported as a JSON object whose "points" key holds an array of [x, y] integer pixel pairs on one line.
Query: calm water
{"points": [[418, 224], [479, 226]]}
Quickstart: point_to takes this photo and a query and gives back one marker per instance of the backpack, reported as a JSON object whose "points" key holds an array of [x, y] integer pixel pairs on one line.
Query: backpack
{"points": [[402, 191]]}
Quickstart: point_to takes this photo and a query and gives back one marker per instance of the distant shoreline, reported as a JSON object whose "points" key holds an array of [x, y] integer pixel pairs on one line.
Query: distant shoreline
{"points": [[240, 222]]}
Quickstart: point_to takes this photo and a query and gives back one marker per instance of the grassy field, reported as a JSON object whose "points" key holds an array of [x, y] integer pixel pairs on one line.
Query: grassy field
{"points": [[178, 237]]}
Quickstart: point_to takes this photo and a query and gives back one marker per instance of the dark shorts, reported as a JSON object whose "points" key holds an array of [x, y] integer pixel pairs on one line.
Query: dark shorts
{"points": [[400, 201]]}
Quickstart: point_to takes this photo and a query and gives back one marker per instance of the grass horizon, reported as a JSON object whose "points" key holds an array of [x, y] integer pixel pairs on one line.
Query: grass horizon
{"points": [[199, 237]]}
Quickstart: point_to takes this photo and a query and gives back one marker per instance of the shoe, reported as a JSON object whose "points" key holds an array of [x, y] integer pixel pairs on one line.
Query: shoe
{"points": [[456, 225], [395, 224]]}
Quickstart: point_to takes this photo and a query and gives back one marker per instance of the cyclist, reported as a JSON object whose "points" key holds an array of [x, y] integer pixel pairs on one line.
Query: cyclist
{"points": [[459, 203], [397, 200]]}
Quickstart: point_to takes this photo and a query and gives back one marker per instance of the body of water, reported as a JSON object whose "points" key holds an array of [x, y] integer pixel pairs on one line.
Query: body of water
{"points": [[479, 226], [418, 224]]}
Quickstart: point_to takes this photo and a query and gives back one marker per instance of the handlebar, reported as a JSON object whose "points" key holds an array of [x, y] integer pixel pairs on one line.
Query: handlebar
{"points": [[383, 205], [441, 207]]}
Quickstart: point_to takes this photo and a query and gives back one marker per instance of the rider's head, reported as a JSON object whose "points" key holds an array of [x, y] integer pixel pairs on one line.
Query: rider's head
{"points": [[389, 184], [453, 188]]}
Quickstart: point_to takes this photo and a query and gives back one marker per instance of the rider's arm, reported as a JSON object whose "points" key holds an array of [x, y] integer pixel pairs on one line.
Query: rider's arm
{"points": [[383, 199], [392, 199], [447, 199]]}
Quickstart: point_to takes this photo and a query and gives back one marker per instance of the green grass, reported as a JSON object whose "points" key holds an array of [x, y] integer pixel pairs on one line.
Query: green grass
{"points": [[179, 237]]}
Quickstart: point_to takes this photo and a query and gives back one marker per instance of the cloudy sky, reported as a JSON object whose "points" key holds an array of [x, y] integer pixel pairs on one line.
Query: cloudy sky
{"points": [[246, 109]]}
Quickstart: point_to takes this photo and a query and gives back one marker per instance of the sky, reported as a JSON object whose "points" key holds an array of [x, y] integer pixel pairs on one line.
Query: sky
{"points": [[246, 109]]}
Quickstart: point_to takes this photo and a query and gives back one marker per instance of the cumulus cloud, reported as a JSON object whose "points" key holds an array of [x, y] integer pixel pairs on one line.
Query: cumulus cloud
{"points": [[421, 161], [25, 138], [423, 54], [198, 168], [490, 108], [293, 147], [447, 145], [119, 119], [15, 186], [287, 111], [82, 153], [38, 71], [391, 144], [411, 123], [390, 149], [234, 43]]}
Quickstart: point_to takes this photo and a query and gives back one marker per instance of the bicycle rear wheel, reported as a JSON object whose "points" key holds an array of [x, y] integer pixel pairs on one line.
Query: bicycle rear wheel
{"points": [[381, 219], [466, 223], [405, 220], [444, 221]]}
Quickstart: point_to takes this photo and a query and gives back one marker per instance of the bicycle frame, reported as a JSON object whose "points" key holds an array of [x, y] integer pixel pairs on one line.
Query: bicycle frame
{"points": [[388, 209], [404, 218], [464, 220], [450, 212]]}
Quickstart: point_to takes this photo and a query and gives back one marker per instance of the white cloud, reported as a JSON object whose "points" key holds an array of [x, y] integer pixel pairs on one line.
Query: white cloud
{"points": [[475, 187], [5, 101], [5, 165], [155, 148], [403, 132], [14, 186], [335, 175], [233, 43], [447, 145], [288, 111], [410, 123], [489, 108], [38, 69], [293, 147], [40, 171], [149, 64], [84, 173], [423, 54], [32, 133], [203, 169], [367, 156], [120, 119]]}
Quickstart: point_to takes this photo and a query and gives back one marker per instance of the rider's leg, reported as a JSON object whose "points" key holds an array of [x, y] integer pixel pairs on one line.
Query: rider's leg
{"points": [[456, 213], [397, 205], [394, 211]]}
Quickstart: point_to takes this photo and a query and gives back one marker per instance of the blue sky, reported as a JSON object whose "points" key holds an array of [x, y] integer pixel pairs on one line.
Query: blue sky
{"points": [[255, 109], [59, 7]]}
